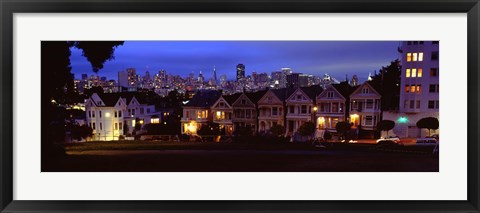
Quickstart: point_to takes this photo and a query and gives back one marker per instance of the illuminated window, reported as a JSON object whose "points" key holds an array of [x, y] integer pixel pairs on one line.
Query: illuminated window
{"points": [[407, 88], [407, 73], [409, 57], [199, 114], [419, 88], [154, 120], [414, 73], [133, 123], [412, 89], [420, 56], [414, 57], [419, 73]]}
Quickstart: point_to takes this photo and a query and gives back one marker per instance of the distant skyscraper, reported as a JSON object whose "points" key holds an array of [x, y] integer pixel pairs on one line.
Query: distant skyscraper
{"points": [[240, 71], [201, 79], [132, 77], [84, 77], [163, 75], [215, 75], [123, 79]]}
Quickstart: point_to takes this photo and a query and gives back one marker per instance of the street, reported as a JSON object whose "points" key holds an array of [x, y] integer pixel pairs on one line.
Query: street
{"points": [[242, 161]]}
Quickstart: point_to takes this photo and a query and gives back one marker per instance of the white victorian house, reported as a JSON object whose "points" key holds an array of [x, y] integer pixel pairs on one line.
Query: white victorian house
{"points": [[112, 115], [271, 110], [365, 107], [222, 112], [299, 107], [331, 108]]}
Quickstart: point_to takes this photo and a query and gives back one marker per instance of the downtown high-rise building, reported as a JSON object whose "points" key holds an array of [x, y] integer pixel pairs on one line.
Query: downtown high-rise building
{"points": [[240, 71], [419, 87], [215, 75], [132, 77]]}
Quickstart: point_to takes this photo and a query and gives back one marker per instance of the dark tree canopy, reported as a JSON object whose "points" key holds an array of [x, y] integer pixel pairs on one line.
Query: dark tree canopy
{"points": [[277, 130], [387, 83], [97, 52], [385, 125], [428, 123], [78, 132], [343, 127], [307, 129], [209, 129]]}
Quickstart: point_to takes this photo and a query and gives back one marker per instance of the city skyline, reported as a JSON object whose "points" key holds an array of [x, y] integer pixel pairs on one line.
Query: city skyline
{"points": [[337, 58]]}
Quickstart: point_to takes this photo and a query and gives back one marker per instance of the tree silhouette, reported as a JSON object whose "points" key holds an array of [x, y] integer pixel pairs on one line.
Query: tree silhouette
{"points": [[385, 125], [57, 83], [307, 129], [387, 83], [277, 130], [428, 123], [343, 127]]}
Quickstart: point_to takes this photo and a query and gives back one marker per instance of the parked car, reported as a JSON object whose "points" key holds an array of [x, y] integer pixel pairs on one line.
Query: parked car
{"points": [[426, 142], [394, 139]]}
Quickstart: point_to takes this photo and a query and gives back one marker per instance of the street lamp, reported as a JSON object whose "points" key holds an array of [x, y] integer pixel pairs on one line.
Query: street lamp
{"points": [[315, 108]]}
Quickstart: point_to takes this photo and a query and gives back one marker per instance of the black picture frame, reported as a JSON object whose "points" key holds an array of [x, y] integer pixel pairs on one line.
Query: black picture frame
{"points": [[10, 7]]}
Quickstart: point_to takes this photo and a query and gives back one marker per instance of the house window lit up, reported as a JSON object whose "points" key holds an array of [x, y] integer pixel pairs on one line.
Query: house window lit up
{"points": [[414, 73], [409, 57], [202, 114], [420, 56], [321, 122], [133, 123], [154, 120], [407, 73], [190, 127], [220, 115], [419, 72], [414, 56]]}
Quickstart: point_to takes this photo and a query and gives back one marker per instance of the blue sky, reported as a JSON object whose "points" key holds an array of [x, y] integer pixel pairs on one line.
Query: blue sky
{"points": [[337, 58]]}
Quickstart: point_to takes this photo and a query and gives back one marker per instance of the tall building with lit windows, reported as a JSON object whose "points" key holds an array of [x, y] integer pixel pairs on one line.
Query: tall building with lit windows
{"points": [[419, 95], [240, 71]]}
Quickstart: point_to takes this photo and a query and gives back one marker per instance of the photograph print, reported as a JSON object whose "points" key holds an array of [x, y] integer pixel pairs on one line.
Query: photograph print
{"points": [[240, 106]]}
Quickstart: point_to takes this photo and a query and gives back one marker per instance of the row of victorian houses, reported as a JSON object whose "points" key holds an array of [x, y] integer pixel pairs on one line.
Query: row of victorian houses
{"points": [[289, 107]]}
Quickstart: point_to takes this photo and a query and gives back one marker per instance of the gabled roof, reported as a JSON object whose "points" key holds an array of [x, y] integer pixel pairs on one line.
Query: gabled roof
{"points": [[204, 99], [231, 98], [283, 93], [110, 99], [333, 87], [365, 84], [312, 91], [255, 96]]}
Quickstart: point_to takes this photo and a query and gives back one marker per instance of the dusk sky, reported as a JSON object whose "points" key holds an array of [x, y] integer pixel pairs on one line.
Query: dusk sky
{"points": [[337, 58]]}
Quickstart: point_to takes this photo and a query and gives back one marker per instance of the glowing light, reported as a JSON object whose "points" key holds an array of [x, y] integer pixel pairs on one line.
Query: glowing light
{"points": [[107, 114], [154, 120], [315, 108], [402, 119]]}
